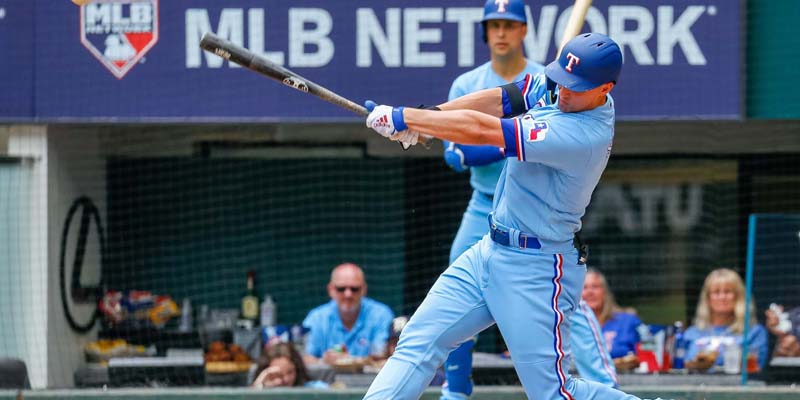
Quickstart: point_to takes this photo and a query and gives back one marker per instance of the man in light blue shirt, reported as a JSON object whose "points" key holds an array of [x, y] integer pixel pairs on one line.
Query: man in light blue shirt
{"points": [[350, 324], [504, 29], [526, 275]]}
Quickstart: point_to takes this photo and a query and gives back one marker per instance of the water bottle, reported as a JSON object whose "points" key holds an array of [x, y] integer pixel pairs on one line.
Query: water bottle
{"points": [[186, 316], [268, 311], [679, 349]]}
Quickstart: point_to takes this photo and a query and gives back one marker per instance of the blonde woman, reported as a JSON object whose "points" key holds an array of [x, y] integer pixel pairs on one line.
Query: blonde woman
{"points": [[719, 320], [619, 327]]}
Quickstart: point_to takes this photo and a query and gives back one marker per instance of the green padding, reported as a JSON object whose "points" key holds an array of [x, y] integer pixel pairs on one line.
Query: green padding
{"points": [[193, 227], [481, 393], [773, 51]]}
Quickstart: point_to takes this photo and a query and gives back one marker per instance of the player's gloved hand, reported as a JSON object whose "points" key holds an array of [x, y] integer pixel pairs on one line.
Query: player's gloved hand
{"points": [[406, 138], [385, 120]]}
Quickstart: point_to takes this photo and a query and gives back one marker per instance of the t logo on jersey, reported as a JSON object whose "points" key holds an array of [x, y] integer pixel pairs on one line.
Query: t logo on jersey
{"points": [[119, 32], [501, 5], [539, 131], [573, 60]]}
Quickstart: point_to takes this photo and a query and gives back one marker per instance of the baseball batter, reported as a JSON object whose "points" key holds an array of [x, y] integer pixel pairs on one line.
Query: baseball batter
{"points": [[504, 30], [524, 275]]}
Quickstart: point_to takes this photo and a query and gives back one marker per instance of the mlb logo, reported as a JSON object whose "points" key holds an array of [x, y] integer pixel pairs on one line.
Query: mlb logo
{"points": [[539, 131], [119, 32]]}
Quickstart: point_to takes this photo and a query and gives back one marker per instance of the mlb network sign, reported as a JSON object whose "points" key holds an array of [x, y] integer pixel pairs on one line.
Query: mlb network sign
{"points": [[396, 37], [140, 60], [119, 33]]}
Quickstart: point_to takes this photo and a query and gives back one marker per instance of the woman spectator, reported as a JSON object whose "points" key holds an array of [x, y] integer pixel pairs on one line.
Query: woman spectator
{"points": [[619, 327], [719, 322], [282, 365]]}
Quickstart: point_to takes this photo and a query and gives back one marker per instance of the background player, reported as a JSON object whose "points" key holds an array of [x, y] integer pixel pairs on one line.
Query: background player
{"points": [[528, 265], [504, 30]]}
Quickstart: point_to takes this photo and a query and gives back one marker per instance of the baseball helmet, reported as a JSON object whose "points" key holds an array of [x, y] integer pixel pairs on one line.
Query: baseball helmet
{"points": [[512, 10], [586, 62]]}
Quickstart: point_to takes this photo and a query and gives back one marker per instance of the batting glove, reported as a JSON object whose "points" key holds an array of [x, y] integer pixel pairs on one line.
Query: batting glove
{"points": [[406, 138], [385, 120]]}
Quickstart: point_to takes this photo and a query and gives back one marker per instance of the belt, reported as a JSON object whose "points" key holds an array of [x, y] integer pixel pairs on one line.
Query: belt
{"points": [[503, 237]]}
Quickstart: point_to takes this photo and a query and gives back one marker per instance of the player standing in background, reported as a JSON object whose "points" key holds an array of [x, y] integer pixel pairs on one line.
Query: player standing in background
{"points": [[504, 29], [526, 275]]}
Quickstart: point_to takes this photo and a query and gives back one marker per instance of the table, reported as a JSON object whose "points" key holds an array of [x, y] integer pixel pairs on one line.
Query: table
{"points": [[785, 362], [493, 369]]}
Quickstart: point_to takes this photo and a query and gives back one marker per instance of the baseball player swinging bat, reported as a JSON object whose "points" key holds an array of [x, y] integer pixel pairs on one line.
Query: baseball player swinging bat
{"points": [[239, 55]]}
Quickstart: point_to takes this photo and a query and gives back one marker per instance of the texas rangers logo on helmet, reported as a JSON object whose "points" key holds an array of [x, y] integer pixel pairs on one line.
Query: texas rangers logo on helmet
{"points": [[119, 32], [539, 131], [573, 61], [501, 5]]}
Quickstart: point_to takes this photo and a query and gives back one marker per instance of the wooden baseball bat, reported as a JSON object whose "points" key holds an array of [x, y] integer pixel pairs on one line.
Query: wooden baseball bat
{"points": [[575, 23], [254, 62]]}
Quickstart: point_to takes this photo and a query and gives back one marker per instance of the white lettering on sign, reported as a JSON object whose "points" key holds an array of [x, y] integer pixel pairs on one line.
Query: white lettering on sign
{"points": [[316, 37], [415, 36], [103, 18]]}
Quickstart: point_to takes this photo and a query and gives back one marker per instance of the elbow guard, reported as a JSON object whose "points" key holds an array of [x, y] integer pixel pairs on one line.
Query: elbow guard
{"points": [[454, 158], [514, 102]]}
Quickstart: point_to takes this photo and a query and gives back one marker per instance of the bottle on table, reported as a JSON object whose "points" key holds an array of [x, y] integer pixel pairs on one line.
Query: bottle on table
{"points": [[679, 347], [249, 311], [268, 311]]}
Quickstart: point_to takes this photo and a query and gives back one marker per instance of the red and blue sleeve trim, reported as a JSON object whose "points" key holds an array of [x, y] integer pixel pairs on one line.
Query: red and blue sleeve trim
{"points": [[527, 83], [512, 134]]}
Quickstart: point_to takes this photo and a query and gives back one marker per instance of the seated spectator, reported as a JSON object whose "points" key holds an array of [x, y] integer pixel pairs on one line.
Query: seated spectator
{"points": [[619, 327], [280, 366], [350, 325], [786, 333], [719, 322]]}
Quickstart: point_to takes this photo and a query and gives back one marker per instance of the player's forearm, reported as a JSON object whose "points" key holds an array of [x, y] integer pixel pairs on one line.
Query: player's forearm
{"points": [[488, 101], [460, 126]]}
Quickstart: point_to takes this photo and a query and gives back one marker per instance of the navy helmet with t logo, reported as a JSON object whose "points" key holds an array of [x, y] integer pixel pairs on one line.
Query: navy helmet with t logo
{"points": [[586, 62]]}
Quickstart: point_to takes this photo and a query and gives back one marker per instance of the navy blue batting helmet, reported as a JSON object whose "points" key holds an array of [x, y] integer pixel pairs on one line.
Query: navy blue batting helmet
{"points": [[512, 10], [586, 62]]}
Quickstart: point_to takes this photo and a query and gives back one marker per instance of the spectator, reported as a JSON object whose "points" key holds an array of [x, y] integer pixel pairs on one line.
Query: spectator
{"points": [[786, 333], [281, 365], [350, 325], [719, 322], [619, 327]]}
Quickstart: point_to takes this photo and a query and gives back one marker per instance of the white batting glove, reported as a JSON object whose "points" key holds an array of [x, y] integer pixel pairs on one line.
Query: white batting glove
{"points": [[406, 138], [385, 120]]}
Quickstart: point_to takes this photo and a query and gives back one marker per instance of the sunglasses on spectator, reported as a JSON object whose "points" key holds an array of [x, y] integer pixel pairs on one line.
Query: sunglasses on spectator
{"points": [[354, 289]]}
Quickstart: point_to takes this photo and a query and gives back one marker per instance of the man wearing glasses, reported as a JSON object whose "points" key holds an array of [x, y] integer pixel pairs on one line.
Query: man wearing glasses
{"points": [[350, 325]]}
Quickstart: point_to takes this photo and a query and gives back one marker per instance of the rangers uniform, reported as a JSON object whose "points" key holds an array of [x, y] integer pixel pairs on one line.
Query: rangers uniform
{"points": [[524, 275]]}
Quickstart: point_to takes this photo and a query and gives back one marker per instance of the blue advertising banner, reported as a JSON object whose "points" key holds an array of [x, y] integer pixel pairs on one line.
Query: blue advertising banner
{"points": [[17, 65], [139, 60]]}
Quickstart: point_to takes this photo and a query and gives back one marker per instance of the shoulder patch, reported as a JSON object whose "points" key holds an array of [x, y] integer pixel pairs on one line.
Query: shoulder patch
{"points": [[538, 132]]}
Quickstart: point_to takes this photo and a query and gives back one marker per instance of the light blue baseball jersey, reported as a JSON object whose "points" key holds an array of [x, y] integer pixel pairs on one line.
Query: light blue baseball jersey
{"points": [[528, 291], [484, 178], [555, 162], [368, 336]]}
